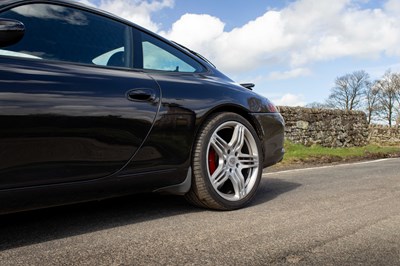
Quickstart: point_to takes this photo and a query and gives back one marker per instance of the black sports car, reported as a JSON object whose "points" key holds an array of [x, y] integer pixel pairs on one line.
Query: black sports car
{"points": [[93, 106]]}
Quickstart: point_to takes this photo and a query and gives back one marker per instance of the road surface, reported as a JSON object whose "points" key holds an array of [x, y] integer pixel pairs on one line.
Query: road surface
{"points": [[340, 215]]}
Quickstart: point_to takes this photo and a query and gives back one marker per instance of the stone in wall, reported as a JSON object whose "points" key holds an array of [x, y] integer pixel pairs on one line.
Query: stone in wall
{"points": [[384, 135], [326, 127]]}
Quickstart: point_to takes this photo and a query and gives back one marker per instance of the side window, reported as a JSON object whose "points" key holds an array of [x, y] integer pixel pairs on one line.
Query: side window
{"points": [[158, 55], [61, 33]]}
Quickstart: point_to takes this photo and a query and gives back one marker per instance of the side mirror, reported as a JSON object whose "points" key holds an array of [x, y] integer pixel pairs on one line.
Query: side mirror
{"points": [[11, 31]]}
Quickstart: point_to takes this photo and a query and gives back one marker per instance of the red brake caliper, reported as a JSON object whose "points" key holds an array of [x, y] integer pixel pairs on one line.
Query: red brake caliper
{"points": [[212, 166]]}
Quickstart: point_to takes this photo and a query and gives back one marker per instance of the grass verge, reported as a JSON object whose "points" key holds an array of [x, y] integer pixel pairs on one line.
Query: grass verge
{"points": [[298, 155]]}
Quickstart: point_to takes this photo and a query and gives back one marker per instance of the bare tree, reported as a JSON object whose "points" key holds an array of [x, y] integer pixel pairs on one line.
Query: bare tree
{"points": [[348, 91], [398, 100], [397, 110], [388, 86], [371, 100]]}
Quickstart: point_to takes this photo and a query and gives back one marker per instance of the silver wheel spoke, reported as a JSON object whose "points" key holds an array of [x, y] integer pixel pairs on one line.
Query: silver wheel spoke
{"points": [[248, 161], [219, 177], [219, 144], [237, 140], [238, 183]]}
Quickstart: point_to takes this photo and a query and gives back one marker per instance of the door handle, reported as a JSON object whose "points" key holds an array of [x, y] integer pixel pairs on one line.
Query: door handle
{"points": [[141, 95]]}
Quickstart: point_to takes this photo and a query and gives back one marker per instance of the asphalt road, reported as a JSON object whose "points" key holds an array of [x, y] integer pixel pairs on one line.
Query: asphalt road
{"points": [[341, 215]]}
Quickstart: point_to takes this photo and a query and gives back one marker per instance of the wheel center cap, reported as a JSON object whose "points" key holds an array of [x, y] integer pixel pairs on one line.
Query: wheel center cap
{"points": [[232, 161]]}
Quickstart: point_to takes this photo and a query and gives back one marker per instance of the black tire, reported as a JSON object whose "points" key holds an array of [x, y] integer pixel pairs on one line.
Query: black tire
{"points": [[226, 163]]}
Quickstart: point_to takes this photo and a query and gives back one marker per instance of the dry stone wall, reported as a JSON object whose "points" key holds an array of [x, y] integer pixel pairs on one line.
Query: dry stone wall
{"points": [[384, 135], [328, 128]]}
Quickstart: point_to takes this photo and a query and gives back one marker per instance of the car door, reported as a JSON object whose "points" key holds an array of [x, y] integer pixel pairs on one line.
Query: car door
{"points": [[71, 106]]}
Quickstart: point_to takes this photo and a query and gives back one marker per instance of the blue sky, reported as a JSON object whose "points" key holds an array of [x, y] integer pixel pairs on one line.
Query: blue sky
{"points": [[292, 49], [234, 13]]}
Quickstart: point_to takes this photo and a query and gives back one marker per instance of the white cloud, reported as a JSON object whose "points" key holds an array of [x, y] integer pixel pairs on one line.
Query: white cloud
{"points": [[199, 33], [393, 6], [136, 11], [304, 32], [351, 32], [290, 99], [294, 73], [242, 48], [296, 36]]}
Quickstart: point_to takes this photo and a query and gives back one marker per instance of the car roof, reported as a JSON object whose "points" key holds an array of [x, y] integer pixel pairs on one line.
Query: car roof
{"points": [[4, 3], [7, 2]]}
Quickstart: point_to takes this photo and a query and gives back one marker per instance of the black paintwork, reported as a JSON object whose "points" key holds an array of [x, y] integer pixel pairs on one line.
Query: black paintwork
{"points": [[73, 132]]}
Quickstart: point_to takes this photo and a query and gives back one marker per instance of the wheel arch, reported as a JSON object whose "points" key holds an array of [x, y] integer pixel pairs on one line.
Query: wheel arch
{"points": [[237, 109]]}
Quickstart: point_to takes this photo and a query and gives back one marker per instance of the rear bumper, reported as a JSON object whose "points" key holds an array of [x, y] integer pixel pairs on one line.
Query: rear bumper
{"points": [[272, 134]]}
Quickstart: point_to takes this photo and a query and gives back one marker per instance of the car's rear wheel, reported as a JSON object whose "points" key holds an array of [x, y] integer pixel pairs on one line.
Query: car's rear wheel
{"points": [[227, 163]]}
